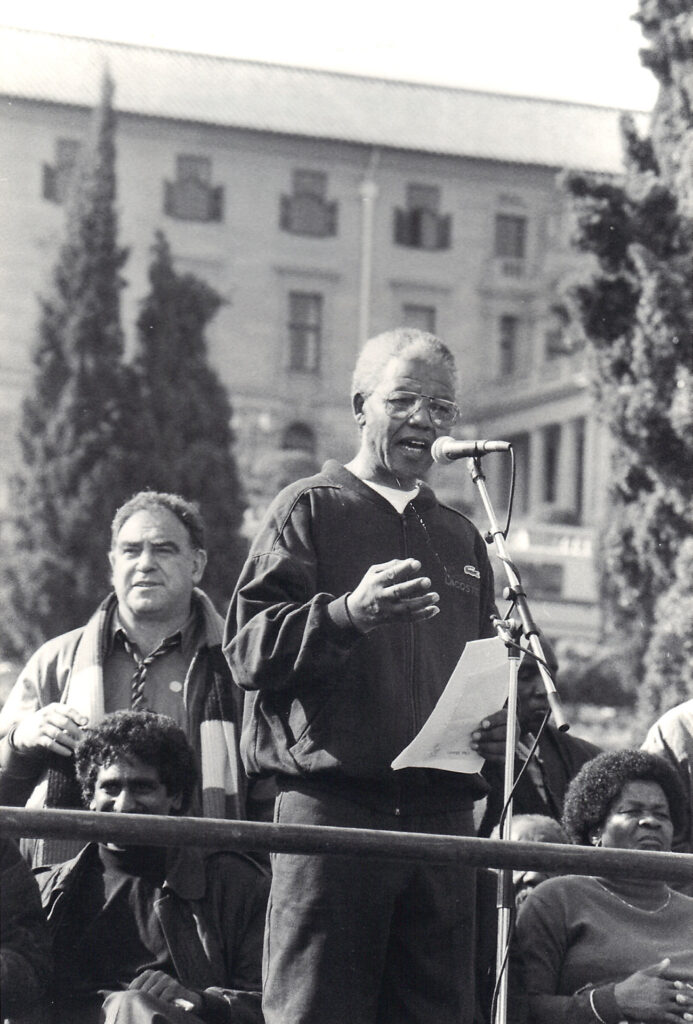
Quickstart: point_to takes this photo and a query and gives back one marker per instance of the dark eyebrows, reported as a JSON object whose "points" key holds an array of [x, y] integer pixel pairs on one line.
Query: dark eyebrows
{"points": [[158, 545]]}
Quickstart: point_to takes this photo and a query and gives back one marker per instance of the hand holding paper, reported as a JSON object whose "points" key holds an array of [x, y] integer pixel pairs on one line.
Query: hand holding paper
{"points": [[477, 687]]}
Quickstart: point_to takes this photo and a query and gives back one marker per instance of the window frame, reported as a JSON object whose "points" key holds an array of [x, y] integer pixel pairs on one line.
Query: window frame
{"points": [[191, 197], [415, 321], [508, 344], [305, 334], [510, 244], [58, 177]]}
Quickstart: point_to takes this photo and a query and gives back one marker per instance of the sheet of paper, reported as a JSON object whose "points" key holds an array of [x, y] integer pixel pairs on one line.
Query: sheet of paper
{"points": [[477, 687]]}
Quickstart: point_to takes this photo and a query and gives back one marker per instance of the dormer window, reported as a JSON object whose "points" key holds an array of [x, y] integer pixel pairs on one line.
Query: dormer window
{"points": [[307, 211], [192, 196], [420, 225]]}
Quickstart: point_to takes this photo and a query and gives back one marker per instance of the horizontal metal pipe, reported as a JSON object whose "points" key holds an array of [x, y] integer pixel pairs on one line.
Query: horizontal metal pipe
{"points": [[157, 830]]}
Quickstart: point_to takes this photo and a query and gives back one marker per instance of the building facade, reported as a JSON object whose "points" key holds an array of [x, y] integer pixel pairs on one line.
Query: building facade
{"points": [[325, 208]]}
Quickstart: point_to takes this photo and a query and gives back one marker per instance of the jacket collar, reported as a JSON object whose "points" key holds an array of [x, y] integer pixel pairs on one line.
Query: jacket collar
{"points": [[102, 619], [341, 476], [185, 873]]}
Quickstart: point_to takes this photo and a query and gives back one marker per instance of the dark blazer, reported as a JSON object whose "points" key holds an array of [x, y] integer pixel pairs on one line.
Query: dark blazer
{"points": [[561, 756]]}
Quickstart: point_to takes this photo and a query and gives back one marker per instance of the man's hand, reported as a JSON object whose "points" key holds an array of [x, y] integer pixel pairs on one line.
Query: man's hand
{"points": [[648, 996], [166, 988], [488, 739], [56, 727], [392, 592]]}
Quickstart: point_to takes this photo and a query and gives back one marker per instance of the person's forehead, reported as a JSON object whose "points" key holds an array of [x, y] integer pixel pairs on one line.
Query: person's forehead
{"points": [[420, 372], [130, 767], [156, 523], [529, 667], [642, 791], [532, 832], [528, 673]]}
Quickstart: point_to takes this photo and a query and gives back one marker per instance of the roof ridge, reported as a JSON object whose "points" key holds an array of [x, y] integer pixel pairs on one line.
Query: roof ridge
{"points": [[302, 69]]}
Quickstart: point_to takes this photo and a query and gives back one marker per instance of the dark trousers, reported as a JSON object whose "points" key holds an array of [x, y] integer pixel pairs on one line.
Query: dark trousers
{"points": [[366, 940]]}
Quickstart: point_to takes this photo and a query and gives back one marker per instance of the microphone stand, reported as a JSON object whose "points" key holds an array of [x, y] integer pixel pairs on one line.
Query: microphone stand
{"points": [[509, 632]]}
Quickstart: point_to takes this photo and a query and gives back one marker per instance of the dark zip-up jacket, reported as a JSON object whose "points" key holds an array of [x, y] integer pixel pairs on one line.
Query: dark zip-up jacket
{"points": [[211, 913], [324, 702], [26, 963]]}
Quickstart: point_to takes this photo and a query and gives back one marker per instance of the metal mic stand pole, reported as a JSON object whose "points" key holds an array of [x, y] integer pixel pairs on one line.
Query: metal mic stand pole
{"points": [[510, 632], [516, 593]]}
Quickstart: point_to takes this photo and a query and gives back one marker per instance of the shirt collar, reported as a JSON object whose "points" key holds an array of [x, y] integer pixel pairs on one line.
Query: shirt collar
{"points": [[192, 633]]}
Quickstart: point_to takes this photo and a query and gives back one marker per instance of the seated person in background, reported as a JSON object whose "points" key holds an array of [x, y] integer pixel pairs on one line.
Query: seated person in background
{"points": [[155, 644], [25, 947], [556, 761], [612, 949], [672, 738], [526, 828], [532, 828], [145, 934]]}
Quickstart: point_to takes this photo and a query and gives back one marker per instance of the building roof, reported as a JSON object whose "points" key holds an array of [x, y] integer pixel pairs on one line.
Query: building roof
{"points": [[310, 103]]}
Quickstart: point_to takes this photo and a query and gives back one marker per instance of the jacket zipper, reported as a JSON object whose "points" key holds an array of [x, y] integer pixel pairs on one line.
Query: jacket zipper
{"points": [[409, 651]]}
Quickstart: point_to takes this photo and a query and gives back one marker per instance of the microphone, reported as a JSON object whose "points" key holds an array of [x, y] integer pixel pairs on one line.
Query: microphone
{"points": [[447, 449]]}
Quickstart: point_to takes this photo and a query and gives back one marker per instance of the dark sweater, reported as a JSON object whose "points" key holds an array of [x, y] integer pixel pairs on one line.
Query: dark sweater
{"points": [[574, 935]]}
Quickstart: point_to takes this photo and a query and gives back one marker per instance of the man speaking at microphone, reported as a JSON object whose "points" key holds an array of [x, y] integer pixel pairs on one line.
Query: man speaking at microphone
{"points": [[358, 596]]}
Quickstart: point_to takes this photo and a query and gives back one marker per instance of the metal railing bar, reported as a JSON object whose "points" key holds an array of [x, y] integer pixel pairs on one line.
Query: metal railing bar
{"points": [[157, 830]]}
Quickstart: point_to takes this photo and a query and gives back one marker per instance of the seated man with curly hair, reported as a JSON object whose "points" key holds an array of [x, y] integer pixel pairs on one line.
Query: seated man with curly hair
{"points": [[144, 934]]}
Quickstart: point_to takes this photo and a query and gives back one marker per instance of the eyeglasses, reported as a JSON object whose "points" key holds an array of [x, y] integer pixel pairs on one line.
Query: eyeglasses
{"points": [[402, 404]]}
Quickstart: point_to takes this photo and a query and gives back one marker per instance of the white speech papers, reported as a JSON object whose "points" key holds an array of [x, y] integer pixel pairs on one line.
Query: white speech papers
{"points": [[477, 687]]}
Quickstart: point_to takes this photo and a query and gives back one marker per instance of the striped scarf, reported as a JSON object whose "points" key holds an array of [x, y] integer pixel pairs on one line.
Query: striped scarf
{"points": [[215, 708]]}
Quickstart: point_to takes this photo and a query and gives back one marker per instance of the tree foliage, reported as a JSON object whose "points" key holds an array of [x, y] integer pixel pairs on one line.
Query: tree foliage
{"points": [[74, 427], [95, 429], [636, 314], [669, 657], [185, 417]]}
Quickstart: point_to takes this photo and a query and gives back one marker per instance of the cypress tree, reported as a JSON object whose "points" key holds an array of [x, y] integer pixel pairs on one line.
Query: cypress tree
{"points": [[72, 436], [636, 314], [186, 413]]}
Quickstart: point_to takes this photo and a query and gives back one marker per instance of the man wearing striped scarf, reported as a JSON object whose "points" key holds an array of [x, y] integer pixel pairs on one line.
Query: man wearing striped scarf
{"points": [[155, 644]]}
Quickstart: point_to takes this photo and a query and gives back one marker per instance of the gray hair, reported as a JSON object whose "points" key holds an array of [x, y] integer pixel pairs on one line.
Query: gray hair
{"points": [[552, 830], [401, 341], [187, 512]]}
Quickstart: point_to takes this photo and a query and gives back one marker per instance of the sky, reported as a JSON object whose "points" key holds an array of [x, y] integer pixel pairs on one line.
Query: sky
{"points": [[584, 51]]}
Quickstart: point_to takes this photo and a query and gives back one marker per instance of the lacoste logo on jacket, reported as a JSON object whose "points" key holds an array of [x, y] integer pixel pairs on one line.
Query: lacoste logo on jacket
{"points": [[450, 581]]}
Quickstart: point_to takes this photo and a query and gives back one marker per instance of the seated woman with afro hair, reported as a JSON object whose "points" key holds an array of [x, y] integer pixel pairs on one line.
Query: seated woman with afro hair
{"points": [[620, 949]]}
